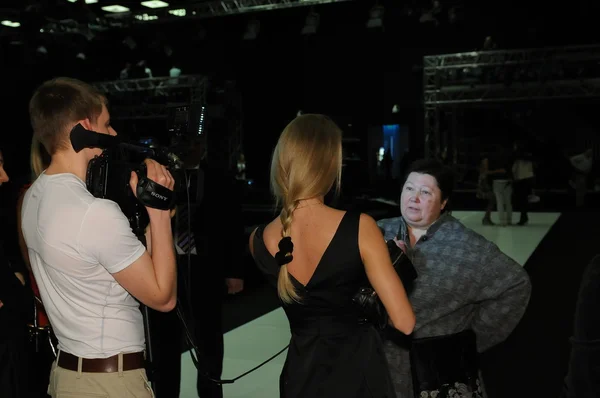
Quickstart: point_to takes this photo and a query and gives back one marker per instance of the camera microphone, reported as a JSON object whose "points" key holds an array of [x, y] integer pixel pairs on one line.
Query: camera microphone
{"points": [[83, 138]]}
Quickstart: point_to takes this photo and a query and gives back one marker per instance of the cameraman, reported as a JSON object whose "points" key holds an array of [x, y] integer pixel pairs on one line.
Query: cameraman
{"points": [[87, 262]]}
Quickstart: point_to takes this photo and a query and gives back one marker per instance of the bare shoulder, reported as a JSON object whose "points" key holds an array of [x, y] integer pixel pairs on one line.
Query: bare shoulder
{"points": [[369, 234], [268, 234], [367, 222], [273, 228], [272, 234]]}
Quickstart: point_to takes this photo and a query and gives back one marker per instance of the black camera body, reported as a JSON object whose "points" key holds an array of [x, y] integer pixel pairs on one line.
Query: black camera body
{"points": [[108, 177]]}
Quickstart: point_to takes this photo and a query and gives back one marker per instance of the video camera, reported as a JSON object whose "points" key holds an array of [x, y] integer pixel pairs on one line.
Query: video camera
{"points": [[108, 175]]}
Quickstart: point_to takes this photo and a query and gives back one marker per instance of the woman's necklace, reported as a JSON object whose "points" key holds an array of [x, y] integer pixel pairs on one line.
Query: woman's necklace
{"points": [[308, 204]]}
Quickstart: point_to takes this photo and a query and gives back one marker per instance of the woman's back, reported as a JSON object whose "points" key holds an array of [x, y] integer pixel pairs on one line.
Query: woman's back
{"points": [[333, 352], [312, 254], [326, 268]]}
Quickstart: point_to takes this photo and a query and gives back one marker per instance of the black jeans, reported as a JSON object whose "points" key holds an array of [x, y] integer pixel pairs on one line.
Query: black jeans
{"points": [[166, 340], [15, 364], [207, 293], [201, 292], [521, 191]]}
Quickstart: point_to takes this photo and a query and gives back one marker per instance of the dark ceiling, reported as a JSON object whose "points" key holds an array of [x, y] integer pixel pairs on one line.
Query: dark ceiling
{"points": [[551, 25], [64, 16], [64, 9], [62, 6]]}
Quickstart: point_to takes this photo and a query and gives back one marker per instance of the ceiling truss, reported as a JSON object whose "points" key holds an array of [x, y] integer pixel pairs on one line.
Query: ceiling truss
{"points": [[128, 96], [133, 97], [453, 81], [211, 9]]}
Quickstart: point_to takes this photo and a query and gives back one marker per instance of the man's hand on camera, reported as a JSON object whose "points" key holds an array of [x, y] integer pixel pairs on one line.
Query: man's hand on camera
{"points": [[155, 172]]}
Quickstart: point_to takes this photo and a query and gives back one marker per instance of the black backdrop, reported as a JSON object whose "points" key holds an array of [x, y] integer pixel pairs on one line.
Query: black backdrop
{"points": [[346, 70]]}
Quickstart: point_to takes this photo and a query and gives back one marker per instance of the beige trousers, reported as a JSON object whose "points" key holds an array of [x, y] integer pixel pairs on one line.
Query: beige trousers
{"points": [[77, 384]]}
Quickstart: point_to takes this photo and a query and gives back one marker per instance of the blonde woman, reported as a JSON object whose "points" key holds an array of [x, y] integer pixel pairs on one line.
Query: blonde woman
{"points": [[319, 257], [39, 161]]}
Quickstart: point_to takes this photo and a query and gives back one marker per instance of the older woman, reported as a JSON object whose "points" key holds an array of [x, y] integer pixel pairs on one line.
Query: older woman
{"points": [[465, 284]]}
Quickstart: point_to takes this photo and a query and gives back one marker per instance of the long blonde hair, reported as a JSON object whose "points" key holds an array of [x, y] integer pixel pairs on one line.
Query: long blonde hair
{"points": [[307, 162], [39, 158]]}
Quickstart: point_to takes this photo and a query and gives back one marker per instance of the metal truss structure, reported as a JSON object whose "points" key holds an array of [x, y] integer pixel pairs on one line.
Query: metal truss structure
{"points": [[130, 95], [201, 10], [134, 99], [219, 8], [455, 81], [500, 92]]}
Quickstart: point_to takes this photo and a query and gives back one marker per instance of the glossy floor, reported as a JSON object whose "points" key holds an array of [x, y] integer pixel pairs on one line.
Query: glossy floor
{"points": [[256, 341]]}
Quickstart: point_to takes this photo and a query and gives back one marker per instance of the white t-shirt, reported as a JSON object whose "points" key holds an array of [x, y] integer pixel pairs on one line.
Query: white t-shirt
{"points": [[522, 169], [75, 242]]}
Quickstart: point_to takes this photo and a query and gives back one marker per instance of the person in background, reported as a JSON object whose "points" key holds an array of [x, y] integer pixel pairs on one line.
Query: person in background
{"points": [[583, 376], [39, 161], [500, 177], [14, 311], [523, 179], [174, 74], [582, 167], [220, 240], [210, 245], [484, 189]]}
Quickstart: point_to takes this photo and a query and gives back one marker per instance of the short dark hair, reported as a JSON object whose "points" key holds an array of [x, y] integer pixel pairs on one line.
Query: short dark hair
{"points": [[58, 103], [443, 174]]}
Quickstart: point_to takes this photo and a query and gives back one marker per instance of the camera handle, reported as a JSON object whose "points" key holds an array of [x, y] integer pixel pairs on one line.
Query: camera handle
{"points": [[152, 194]]}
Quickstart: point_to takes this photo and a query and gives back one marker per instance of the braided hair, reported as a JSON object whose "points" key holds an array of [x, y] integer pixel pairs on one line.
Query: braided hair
{"points": [[307, 162]]}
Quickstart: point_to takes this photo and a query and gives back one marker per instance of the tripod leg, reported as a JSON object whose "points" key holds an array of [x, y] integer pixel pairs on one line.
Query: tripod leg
{"points": [[149, 348]]}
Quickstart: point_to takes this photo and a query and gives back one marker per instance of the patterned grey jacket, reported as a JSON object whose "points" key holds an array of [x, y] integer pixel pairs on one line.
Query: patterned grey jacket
{"points": [[464, 282]]}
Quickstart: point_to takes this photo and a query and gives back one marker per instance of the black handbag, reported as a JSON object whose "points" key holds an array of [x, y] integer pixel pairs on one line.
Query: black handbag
{"points": [[367, 299], [446, 366]]}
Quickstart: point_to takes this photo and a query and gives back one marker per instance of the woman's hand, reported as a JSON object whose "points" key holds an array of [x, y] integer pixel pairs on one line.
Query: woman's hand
{"points": [[400, 244], [20, 277]]}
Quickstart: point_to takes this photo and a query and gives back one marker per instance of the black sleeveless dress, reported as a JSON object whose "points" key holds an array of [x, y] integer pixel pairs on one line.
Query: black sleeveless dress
{"points": [[332, 354]]}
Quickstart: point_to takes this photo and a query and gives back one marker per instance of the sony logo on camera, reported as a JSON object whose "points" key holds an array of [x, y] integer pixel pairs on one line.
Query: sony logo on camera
{"points": [[158, 196]]}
